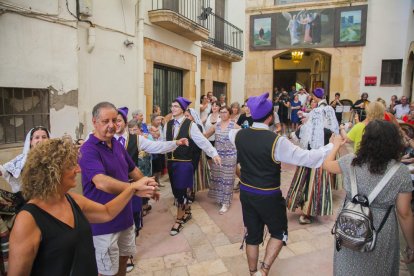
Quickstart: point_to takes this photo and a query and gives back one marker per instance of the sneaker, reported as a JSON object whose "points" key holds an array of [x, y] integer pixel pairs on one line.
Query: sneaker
{"points": [[305, 219], [224, 209]]}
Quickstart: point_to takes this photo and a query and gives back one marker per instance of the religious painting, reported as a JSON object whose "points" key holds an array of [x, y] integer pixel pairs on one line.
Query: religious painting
{"points": [[305, 29], [261, 32], [350, 26]]}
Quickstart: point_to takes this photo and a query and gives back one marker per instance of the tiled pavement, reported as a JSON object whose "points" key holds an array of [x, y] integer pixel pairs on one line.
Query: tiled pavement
{"points": [[210, 243]]}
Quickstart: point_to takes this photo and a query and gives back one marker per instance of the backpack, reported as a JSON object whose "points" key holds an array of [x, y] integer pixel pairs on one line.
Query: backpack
{"points": [[354, 228]]}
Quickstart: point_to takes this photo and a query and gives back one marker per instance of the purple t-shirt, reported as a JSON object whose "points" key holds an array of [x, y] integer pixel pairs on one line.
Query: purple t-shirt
{"points": [[97, 158]]}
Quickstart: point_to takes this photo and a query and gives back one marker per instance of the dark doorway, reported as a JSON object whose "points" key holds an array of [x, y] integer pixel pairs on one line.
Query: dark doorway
{"points": [[288, 78], [219, 88], [167, 85]]}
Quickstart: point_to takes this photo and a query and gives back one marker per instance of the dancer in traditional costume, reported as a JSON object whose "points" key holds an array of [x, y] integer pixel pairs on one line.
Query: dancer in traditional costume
{"points": [[260, 152], [222, 177], [180, 166], [311, 189]]}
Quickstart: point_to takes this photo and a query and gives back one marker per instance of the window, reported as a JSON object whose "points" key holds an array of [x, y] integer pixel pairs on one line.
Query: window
{"points": [[20, 110], [391, 72], [167, 85]]}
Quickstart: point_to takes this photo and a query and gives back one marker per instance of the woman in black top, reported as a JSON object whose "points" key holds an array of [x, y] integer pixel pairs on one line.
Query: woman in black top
{"points": [[51, 234]]}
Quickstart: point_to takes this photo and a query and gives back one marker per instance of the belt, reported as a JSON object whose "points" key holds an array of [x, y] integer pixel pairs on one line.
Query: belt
{"points": [[259, 191]]}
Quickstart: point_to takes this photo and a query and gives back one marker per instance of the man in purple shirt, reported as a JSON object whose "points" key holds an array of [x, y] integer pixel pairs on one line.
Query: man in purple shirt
{"points": [[106, 170]]}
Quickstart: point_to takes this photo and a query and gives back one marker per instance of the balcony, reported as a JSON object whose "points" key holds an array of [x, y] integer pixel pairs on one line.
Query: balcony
{"points": [[179, 16], [225, 40]]}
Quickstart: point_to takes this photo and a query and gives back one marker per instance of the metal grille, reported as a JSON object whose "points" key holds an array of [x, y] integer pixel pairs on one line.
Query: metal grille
{"points": [[167, 85], [20, 110]]}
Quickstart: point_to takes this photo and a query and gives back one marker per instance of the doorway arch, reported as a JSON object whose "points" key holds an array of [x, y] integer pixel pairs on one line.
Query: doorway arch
{"points": [[313, 70]]}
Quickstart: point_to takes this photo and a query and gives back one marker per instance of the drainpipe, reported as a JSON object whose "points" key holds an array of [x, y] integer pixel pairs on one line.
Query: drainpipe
{"points": [[91, 39], [140, 56]]}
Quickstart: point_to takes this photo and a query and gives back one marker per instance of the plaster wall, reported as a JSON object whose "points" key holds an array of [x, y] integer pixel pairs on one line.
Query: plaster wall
{"points": [[39, 54], [236, 15], [213, 69], [80, 65], [390, 29]]}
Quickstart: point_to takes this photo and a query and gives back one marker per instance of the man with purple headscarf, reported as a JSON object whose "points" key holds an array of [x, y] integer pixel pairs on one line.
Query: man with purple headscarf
{"points": [[180, 166], [260, 152]]}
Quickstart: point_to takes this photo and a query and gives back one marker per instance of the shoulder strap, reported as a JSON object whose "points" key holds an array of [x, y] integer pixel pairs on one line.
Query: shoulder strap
{"points": [[75, 215], [354, 188], [383, 182]]}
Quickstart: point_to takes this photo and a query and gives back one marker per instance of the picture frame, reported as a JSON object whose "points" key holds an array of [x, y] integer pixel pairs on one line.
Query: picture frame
{"points": [[262, 32], [350, 26], [305, 28]]}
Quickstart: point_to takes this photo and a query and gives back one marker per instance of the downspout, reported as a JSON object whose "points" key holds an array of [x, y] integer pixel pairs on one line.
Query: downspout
{"points": [[140, 56]]}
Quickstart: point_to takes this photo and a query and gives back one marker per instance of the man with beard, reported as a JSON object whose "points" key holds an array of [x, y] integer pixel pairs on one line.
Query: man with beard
{"points": [[260, 153]]}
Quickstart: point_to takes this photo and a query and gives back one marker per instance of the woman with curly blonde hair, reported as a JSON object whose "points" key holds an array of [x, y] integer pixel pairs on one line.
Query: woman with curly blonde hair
{"points": [[52, 234], [374, 111]]}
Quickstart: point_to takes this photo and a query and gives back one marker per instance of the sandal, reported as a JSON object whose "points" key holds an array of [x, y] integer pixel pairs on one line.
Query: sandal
{"points": [[187, 215], [146, 210], [264, 270], [175, 231], [130, 266]]}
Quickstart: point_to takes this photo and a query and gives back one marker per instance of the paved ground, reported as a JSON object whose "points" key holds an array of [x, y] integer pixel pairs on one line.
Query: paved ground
{"points": [[210, 243]]}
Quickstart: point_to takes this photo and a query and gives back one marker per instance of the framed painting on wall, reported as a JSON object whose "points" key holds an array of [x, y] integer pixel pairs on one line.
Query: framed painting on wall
{"points": [[350, 26], [262, 34], [305, 28]]}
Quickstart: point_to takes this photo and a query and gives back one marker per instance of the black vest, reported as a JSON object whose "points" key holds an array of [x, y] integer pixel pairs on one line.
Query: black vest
{"points": [[132, 147], [181, 153], [255, 150]]}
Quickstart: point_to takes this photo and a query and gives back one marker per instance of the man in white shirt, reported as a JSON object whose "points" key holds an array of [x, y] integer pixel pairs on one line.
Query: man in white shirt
{"points": [[180, 166], [401, 109], [260, 153], [303, 96]]}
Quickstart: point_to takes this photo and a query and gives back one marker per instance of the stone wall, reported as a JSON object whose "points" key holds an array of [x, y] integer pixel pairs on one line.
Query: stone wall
{"points": [[213, 69], [156, 52]]}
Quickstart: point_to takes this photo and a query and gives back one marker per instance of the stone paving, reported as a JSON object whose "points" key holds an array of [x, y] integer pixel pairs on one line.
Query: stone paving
{"points": [[210, 243]]}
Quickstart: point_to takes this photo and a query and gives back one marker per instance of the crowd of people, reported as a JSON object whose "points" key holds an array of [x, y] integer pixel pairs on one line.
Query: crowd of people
{"points": [[121, 161]]}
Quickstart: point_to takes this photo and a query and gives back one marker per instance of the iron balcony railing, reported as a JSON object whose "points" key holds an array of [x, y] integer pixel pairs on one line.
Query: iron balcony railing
{"points": [[190, 9], [223, 34]]}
